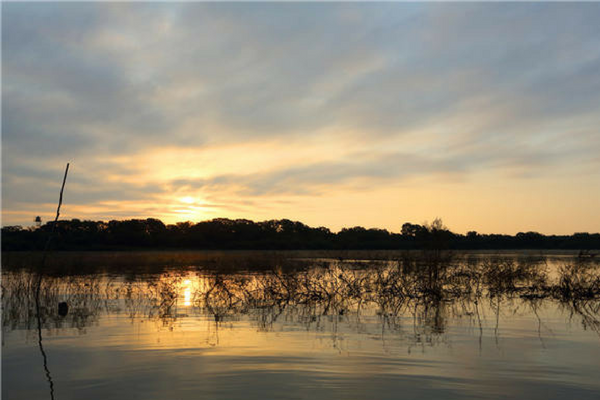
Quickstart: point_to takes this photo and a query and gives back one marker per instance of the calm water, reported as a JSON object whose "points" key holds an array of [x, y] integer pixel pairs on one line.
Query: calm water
{"points": [[320, 329]]}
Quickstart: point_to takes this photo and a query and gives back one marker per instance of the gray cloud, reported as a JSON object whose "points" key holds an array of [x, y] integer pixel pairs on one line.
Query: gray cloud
{"points": [[275, 69]]}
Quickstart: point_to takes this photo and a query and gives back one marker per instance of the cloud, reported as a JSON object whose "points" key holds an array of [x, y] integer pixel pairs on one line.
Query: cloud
{"points": [[401, 90]]}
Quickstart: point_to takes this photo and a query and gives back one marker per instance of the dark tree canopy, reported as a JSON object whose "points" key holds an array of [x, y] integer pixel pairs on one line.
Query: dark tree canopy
{"points": [[223, 233]]}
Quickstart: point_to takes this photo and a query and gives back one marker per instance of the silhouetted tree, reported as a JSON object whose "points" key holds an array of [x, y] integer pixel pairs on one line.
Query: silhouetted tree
{"points": [[223, 233]]}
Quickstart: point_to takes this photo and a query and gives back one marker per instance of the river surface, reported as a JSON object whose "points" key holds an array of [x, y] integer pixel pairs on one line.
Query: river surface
{"points": [[320, 329]]}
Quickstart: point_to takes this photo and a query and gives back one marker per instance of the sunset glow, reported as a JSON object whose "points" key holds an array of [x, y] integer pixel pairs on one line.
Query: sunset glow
{"points": [[331, 114]]}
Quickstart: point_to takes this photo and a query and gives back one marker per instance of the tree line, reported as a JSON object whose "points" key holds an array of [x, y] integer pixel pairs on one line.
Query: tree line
{"points": [[223, 233]]}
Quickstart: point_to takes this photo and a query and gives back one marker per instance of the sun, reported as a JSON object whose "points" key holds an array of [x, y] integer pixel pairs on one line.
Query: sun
{"points": [[187, 200], [186, 208]]}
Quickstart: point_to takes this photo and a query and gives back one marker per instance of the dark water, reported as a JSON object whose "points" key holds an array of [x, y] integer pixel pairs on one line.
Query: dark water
{"points": [[314, 329]]}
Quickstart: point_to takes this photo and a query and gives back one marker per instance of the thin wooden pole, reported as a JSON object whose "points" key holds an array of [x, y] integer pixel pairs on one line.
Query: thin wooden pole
{"points": [[39, 284], [45, 253], [60, 199]]}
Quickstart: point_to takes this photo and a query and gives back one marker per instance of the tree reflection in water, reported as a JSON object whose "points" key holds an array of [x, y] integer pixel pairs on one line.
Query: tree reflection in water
{"points": [[427, 291]]}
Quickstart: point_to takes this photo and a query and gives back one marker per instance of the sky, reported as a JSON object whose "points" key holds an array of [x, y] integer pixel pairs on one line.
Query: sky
{"points": [[336, 115]]}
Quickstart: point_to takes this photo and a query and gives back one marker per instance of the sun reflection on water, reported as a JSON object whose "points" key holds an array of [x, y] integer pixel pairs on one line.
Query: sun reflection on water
{"points": [[187, 293]]}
